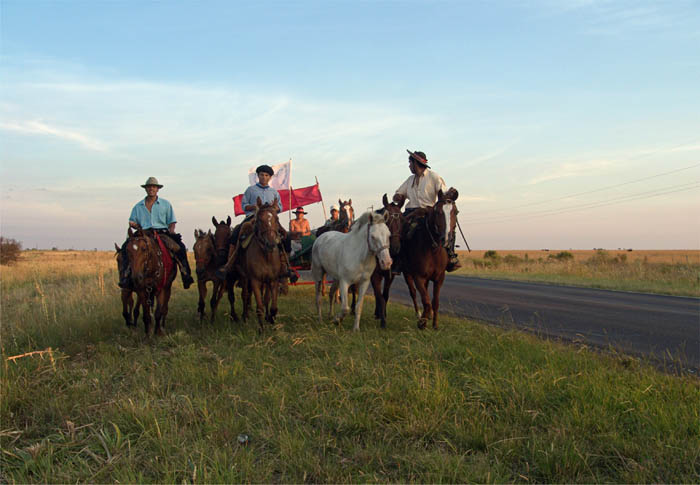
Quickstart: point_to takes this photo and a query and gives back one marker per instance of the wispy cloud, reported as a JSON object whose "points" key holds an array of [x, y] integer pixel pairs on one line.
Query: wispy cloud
{"points": [[571, 169], [44, 129]]}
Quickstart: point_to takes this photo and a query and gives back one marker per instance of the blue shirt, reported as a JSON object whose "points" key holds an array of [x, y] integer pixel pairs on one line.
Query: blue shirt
{"points": [[160, 216], [267, 194]]}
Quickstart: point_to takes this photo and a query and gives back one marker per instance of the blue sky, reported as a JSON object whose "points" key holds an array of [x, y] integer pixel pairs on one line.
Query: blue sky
{"points": [[564, 124]]}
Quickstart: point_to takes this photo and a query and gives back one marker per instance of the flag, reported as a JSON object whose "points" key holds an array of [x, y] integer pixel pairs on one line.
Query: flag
{"points": [[299, 198], [282, 178]]}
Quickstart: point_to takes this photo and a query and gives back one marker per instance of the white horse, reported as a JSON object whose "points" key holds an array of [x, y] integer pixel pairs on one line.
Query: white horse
{"points": [[350, 259]]}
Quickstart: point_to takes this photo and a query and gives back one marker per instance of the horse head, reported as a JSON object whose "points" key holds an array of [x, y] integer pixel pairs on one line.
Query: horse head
{"points": [[222, 236], [142, 256], [204, 250], [378, 235], [346, 215], [394, 221], [267, 226], [445, 215]]}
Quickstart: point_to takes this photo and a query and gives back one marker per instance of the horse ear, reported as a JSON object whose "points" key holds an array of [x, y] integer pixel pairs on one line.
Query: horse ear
{"points": [[441, 196], [196, 233], [228, 221], [116, 248], [385, 201], [452, 194], [130, 232], [350, 202], [209, 232], [258, 202], [213, 221], [275, 204], [340, 202]]}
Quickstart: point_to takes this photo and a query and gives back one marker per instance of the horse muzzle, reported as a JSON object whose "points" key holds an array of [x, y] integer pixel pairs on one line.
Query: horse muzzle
{"points": [[384, 259]]}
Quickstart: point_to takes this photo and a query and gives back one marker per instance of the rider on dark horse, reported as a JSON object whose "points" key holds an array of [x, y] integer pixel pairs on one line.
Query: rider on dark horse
{"points": [[261, 190], [155, 213], [421, 189]]}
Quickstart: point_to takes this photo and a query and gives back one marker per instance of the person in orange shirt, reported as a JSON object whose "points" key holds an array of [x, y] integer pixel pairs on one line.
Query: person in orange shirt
{"points": [[299, 227]]}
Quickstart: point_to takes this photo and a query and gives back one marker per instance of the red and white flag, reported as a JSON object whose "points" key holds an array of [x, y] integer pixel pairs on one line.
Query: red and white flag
{"points": [[281, 180], [298, 198]]}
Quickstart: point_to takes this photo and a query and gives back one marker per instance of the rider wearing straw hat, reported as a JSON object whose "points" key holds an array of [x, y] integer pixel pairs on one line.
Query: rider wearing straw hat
{"points": [[421, 189], [299, 227], [155, 213]]}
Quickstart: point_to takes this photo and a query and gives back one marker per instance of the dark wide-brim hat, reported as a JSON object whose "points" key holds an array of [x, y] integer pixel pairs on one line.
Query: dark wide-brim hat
{"points": [[300, 210], [419, 157], [265, 169], [152, 181]]}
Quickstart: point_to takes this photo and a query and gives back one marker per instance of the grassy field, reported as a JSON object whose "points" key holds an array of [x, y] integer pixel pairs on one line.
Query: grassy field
{"points": [[673, 272], [319, 403]]}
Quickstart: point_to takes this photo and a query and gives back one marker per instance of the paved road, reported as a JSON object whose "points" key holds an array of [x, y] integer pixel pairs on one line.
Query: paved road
{"points": [[635, 323]]}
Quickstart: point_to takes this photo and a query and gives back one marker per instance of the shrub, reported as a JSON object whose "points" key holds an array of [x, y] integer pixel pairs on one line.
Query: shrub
{"points": [[10, 250], [491, 254], [512, 259], [562, 256]]}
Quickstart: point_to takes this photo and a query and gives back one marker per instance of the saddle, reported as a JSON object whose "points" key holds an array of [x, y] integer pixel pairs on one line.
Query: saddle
{"points": [[412, 221]]}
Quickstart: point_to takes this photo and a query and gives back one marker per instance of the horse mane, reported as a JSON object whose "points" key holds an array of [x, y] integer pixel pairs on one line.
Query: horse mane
{"points": [[364, 220]]}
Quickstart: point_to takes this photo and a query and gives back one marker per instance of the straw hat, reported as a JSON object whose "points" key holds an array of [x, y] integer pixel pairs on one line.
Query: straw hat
{"points": [[152, 181], [419, 157]]}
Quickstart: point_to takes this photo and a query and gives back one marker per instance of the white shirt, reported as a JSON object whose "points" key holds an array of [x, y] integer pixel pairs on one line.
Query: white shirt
{"points": [[425, 193]]}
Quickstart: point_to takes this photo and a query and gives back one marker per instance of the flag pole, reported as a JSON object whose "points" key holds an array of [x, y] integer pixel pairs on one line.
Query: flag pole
{"points": [[322, 204], [290, 192]]}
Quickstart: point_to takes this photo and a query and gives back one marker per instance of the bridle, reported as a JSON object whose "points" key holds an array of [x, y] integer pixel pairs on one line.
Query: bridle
{"points": [[205, 261], [152, 263], [369, 245], [394, 220]]}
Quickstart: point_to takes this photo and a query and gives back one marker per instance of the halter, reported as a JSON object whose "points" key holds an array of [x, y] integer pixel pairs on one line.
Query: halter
{"points": [[152, 253], [369, 246], [264, 243]]}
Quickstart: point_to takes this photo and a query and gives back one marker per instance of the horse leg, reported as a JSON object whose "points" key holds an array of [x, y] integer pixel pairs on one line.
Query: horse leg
{"points": [[344, 307], [217, 293], [159, 313], [202, 287], [421, 286], [146, 304], [231, 298], [332, 293], [379, 304], [266, 300], [436, 299], [275, 290], [257, 291], [360, 298], [127, 305], [319, 294], [353, 290], [412, 290]]}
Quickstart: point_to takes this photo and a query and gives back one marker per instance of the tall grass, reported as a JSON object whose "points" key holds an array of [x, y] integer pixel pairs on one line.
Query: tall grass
{"points": [[320, 403], [676, 273]]}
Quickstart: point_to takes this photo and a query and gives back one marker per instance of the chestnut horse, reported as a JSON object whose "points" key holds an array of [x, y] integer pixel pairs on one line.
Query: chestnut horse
{"points": [[424, 256], [259, 265], [150, 275], [207, 262], [394, 221]]}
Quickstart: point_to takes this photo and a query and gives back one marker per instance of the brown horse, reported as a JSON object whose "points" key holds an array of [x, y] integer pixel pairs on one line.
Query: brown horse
{"points": [[207, 262], [394, 221], [259, 263], [424, 255], [222, 239], [150, 276], [346, 216]]}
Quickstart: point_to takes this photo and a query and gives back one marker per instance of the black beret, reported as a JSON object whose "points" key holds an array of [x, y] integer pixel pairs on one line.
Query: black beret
{"points": [[266, 169]]}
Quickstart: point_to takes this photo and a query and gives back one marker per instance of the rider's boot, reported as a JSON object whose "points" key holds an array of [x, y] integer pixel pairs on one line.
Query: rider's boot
{"points": [[453, 260], [285, 270], [185, 271], [223, 271]]}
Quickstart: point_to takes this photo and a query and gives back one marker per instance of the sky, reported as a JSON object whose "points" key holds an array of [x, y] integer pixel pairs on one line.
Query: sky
{"points": [[562, 123]]}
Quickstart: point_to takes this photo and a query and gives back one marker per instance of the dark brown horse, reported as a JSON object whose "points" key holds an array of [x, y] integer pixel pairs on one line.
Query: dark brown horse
{"points": [[222, 239], [346, 216], [258, 263], [129, 312], [394, 221], [152, 280], [207, 262], [424, 255]]}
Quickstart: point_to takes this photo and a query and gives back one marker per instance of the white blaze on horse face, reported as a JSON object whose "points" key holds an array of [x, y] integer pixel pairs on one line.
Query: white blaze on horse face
{"points": [[379, 244], [136, 248], [446, 212]]}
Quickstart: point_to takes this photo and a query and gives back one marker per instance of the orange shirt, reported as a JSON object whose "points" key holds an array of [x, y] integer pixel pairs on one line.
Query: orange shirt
{"points": [[301, 226]]}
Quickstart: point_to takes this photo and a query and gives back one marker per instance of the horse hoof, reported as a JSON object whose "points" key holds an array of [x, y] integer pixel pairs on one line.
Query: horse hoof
{"points": [[422, 324]]}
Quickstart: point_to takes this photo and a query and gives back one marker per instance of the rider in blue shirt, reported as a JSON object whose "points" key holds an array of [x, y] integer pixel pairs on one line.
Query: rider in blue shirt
{"points": [[267, 195], [155, 213]]}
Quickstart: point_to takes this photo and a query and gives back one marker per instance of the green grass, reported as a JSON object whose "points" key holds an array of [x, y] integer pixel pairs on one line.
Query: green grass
{"points": [[321, 403]]}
